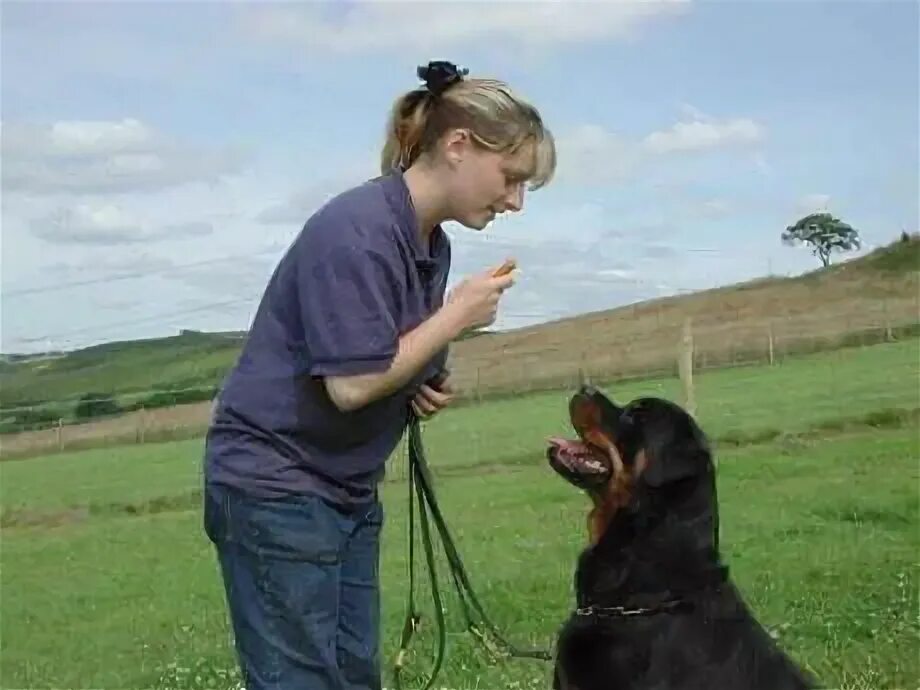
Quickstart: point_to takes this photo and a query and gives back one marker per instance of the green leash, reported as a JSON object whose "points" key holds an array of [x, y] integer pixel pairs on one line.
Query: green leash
{"points": [[421, 489]]}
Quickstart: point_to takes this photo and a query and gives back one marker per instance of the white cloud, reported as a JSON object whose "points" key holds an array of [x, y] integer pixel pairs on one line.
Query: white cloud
{"points": [[300, 205], [591, 152], [374, 26], [621, 273], [107, 225], [700, 135], [104, 157], [99, 138], [106, 267]]}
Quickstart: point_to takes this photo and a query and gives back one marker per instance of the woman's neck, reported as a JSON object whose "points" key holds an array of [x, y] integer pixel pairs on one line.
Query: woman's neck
{"points": [[427, 199]]}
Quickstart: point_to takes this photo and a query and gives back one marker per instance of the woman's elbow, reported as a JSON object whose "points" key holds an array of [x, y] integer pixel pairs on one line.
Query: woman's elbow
{"points": [[345, 394]]}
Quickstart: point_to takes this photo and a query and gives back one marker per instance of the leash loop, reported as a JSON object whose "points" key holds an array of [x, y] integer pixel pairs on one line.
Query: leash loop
{"points": [[485, 631]]}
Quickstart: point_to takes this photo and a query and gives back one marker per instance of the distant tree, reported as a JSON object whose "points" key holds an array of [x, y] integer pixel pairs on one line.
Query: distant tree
{"points": [[824, 233], [96, 405]]}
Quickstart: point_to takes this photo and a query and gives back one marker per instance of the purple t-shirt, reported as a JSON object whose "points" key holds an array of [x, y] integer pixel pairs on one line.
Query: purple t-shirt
{"points": [[355, 279]]}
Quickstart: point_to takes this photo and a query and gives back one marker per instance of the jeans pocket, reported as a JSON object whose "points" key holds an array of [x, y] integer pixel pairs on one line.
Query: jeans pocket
{"points": [[375, 516], [302, 530]]}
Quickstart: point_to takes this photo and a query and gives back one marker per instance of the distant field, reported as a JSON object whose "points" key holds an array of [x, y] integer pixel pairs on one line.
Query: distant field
{"points": [[849, 385], [844, 383], [867, 300], [121, 368], [733, 404], [108, 581]]}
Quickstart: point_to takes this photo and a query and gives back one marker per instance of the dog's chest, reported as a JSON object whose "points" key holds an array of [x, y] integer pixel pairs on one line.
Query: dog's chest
{"points": [[600, 573]]}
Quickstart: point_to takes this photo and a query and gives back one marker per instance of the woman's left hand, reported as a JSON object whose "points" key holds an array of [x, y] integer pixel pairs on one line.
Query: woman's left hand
{"points": [[429, 400]]}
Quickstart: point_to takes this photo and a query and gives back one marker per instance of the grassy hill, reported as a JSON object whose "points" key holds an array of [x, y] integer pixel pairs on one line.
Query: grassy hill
{"points": [[870, 298]]}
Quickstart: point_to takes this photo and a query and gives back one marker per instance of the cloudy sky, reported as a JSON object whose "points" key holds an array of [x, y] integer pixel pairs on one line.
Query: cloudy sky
{"points": [[158, 158]]}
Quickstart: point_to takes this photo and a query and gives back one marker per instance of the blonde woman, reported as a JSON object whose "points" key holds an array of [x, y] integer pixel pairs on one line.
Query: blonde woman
{"points": [[351, 332]]}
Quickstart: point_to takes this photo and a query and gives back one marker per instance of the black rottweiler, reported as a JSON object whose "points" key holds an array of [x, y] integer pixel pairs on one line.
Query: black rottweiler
{"points": [[656, 608]]}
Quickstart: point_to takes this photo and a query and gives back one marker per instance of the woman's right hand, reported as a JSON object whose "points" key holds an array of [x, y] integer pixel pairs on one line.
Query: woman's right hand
{"points": [[475, 300]]}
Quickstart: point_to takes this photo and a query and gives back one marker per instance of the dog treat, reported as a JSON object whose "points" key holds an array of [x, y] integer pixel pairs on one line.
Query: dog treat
{"points": [[505, 268]]}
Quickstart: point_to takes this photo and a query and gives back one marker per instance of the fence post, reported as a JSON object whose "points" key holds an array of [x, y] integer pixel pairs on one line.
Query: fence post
{"points": [[685, 367], [770, 341], [141, 425], [59, 432], [478, 391], [889, 336]]}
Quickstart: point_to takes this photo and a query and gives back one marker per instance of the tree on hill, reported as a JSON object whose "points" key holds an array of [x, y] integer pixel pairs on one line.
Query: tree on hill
{"points": [[824, 233], [93, 405]]}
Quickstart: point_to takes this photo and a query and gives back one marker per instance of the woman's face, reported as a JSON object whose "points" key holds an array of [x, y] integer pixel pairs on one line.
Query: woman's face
{"points": [[485, 183]]}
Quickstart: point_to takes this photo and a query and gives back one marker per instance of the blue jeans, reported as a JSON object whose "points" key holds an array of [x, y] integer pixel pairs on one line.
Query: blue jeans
{"points": [[301, 581]]}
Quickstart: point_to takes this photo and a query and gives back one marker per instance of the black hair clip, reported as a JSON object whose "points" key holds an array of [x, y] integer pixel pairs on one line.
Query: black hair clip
{"points": [[438, 75]]}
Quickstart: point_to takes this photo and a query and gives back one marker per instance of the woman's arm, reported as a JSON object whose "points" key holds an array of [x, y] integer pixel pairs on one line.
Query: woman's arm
{"points": [[473, 303], [416, 348]]}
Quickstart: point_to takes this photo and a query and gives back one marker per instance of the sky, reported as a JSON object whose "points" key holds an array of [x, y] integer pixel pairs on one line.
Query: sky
{"points": [[158, 158]]}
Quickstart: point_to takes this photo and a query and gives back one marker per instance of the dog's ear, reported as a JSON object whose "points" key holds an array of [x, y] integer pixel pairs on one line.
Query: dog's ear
{"points": [[674, 453], [668, 465]]}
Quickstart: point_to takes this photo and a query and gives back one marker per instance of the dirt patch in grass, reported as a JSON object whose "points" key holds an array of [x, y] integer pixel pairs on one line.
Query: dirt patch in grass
{"points": [[30, 517], [891, 418]]}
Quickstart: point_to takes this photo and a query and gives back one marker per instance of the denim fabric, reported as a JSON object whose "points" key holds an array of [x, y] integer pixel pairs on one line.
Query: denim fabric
{"points": [[301, 581]]}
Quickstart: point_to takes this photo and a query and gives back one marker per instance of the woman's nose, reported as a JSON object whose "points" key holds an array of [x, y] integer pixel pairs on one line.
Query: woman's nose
{"points": [[514, 200]]}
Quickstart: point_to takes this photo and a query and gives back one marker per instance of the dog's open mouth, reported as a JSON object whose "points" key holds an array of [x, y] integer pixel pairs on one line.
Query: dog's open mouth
{"points": [[592, 459], [582, 464]]}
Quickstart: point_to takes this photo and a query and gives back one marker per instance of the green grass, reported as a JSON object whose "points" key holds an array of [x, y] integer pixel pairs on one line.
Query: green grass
{"points": [[744, 403], [898, 257], [101, 477], [732, 404], [190, 360], [115, 585], [821, 538]]}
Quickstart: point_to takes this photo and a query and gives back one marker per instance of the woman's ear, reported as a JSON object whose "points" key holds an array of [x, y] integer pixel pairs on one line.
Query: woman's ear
{"points": [[455, 143]]}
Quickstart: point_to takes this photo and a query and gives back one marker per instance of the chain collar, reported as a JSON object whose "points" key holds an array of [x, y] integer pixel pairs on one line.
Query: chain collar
{"points": [[624, 612]]}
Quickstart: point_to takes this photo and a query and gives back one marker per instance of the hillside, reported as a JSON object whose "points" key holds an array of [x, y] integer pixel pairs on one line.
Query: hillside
{"points": [[864, 300], [870, 297]]}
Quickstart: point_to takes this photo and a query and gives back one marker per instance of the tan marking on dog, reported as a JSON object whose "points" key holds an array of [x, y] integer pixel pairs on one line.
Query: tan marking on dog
{"points": [[618, 491]]}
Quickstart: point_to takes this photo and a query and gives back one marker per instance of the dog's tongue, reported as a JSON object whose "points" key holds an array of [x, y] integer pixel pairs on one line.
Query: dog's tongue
{"points": [[564, 443]]}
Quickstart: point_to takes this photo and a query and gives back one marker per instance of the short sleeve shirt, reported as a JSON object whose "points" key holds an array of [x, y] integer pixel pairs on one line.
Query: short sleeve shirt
{"points": [[354, 281]]}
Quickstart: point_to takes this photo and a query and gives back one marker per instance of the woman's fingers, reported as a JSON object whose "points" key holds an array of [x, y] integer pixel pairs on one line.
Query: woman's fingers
{"points": [[438, 398], [428, 401]]}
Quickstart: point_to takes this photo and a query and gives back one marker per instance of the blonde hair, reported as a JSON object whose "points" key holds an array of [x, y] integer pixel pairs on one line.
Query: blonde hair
{"points": [[498, 120]]}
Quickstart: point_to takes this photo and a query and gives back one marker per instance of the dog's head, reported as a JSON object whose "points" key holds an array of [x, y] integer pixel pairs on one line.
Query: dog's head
{"points": [[649, 445]]}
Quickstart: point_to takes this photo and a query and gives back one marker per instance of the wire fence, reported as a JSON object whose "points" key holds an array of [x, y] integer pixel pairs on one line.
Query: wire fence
{"points": [[652, 353]]}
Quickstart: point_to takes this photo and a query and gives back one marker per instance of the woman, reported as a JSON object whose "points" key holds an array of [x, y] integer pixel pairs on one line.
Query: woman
{"points": [[351, 332]]}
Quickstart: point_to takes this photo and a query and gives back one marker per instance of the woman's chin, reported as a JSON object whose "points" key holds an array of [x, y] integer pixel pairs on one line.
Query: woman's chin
{"points": [[478, 221]]}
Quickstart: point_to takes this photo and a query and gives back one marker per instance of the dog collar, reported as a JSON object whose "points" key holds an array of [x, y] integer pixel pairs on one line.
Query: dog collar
{"points": [[624, 612]]}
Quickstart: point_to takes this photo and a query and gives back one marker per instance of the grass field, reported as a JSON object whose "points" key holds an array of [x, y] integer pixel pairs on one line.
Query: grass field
{"points": [[108, 581]]}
